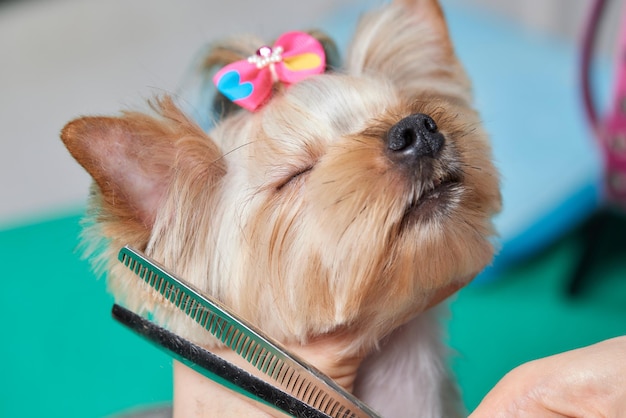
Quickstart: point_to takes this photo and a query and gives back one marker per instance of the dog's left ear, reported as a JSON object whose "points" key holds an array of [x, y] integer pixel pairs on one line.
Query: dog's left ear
{"points": [[133, 160], [407, 42]]}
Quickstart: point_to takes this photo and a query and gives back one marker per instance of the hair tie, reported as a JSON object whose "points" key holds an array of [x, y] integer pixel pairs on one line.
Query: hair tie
{"points": [[294, 57]]}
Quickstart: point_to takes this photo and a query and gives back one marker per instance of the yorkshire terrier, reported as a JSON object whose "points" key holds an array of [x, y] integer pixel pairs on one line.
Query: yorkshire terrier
{"points": [[330, 204]]}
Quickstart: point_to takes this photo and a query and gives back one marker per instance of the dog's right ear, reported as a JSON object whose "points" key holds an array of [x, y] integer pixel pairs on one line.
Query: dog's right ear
{"points": [[407, 42], [133, 159]]}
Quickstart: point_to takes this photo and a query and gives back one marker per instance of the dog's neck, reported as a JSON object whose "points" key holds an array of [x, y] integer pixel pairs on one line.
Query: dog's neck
{"points": [[198, 397]]}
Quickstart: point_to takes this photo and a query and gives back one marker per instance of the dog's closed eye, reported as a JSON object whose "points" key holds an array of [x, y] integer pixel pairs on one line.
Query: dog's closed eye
{"points": [[296, 175]]}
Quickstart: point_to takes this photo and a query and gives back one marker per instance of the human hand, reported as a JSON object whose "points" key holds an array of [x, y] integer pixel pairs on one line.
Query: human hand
{"points": [[587, 382]]}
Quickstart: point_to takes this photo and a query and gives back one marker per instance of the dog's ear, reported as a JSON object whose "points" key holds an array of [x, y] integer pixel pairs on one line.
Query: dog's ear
{"points": [[133, 158], [407, 42]]}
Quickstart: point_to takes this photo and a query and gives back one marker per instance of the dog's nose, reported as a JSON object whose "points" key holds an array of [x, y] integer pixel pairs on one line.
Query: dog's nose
{"points": [[413, 137]]}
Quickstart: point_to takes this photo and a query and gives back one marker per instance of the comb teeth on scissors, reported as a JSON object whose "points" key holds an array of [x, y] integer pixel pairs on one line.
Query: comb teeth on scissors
{"points": [[291, 374], [214, 367]]}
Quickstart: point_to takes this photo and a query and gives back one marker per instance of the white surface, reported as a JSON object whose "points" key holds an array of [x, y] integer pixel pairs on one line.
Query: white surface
{"points": [[65, 58]]}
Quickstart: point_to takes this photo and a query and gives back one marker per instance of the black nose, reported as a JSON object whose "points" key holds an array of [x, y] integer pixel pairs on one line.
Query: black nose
{"points": [[413, 137]]}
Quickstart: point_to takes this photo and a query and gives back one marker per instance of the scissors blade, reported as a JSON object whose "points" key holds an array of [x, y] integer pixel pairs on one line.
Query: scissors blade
{"points": [[215, 367], [290, 373]]}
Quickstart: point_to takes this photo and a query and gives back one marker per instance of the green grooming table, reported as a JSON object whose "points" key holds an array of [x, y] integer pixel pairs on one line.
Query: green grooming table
{"points": [[63, 355]]}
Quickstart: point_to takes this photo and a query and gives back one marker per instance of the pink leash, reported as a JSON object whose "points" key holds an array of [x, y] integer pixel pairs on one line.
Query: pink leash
{"points": [[609, 131]]}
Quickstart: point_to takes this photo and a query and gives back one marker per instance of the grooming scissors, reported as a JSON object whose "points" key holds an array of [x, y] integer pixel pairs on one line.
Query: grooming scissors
{"points": [[293, 386]]}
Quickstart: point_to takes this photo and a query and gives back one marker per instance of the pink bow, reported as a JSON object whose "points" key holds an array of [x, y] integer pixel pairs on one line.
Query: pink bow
{"points": [[294, 56]]}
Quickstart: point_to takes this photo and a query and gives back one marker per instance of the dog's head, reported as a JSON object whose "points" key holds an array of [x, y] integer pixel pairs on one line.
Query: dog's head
{"points": [[349, 202]]}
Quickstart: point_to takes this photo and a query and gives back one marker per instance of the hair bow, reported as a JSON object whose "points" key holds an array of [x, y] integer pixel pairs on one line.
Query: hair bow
{"points": [[294, 56]]}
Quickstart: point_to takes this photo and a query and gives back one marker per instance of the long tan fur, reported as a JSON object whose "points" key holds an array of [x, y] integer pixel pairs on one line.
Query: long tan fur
{"points": [[295, 216]]}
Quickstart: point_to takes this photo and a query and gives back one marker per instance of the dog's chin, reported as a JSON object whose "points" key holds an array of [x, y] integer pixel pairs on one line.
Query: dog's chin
{"points": [[433, 202]]}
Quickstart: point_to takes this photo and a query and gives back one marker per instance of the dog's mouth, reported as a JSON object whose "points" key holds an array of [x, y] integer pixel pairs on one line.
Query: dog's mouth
{"points": [[433, 199]]}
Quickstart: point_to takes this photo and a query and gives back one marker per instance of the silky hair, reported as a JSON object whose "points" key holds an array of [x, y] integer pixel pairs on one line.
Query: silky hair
{"points": [[298, 218]]}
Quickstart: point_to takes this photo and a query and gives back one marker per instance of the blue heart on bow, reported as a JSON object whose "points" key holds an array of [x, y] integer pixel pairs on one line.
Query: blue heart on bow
{"points": [[230, 85]]}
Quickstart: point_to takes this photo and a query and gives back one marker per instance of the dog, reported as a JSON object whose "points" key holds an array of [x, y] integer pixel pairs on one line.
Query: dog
{"points": [[341, 204]]}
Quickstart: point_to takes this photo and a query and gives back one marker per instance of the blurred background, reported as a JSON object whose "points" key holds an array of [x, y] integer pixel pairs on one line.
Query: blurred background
{"points": [[60, 59]]}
